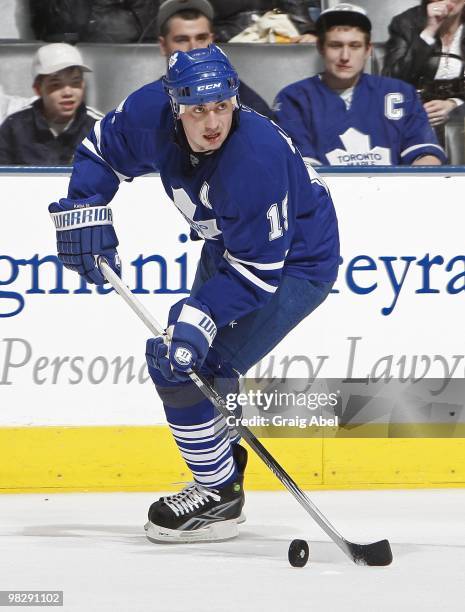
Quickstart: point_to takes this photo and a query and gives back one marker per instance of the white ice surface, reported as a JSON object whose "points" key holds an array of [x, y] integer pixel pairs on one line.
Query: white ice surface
{"points": [[93, 547]]}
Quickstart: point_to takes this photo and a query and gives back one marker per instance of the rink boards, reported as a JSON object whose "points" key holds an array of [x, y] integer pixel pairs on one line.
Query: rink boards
{"points": [[77, 411]]}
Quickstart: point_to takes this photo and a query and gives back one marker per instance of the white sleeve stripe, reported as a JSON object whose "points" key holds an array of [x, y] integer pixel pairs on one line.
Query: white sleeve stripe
{"points": [[251, 277], [313, 161], [98, 134], [90, 145], [260, 266], [421, 146]]}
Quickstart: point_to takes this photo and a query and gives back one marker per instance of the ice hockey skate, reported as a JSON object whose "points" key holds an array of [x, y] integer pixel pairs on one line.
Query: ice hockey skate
{"points": [[199, 513]]}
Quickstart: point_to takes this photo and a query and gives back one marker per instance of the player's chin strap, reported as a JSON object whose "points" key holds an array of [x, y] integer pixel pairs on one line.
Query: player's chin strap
{"points": [[376, 553]]}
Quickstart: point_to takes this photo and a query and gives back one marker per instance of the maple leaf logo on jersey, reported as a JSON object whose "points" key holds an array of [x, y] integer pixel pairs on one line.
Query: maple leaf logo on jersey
{"points": [[358, 151], [173, 59], [204, 227]]}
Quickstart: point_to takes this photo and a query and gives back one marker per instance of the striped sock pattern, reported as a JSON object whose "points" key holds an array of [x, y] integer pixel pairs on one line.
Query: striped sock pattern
{"points": [[203, 438]]}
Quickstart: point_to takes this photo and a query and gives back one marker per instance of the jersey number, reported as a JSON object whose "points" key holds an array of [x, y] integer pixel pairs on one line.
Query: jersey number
{"points": [[276, 229]]}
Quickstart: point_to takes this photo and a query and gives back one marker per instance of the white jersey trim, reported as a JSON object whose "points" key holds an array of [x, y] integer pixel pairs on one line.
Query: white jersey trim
{"points": [[90, 145], [311, 160], [260, 266], [98, 134], [421, 146], [248, 275]]}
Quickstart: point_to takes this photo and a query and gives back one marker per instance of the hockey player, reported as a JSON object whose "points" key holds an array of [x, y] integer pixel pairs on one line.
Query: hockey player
{"points": [[347, 117], [270, 258]]}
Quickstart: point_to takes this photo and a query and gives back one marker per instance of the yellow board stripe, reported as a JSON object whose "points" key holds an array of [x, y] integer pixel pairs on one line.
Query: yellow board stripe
{"points": [[146, 458]]}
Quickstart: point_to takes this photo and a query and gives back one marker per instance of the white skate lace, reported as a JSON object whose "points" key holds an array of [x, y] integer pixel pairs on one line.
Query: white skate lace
{"points": [[192, 497]]}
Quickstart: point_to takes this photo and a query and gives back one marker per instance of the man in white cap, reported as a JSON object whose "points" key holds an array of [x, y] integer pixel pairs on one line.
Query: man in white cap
{"points": [[47, 132], [346, 117]]}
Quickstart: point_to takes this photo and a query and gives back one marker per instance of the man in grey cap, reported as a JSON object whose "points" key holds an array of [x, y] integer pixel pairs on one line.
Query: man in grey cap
{"points": [[184, 25], [48, 131]]}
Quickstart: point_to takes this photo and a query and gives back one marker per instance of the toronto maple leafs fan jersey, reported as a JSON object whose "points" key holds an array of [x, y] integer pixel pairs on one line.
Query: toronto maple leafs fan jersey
{"points": [[260, 209], [385, 123]]}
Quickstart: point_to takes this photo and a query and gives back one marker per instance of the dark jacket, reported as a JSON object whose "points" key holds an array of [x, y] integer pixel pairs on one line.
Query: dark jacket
{"points": [[26, 139], [110, 21], [234, 16], [250, 98], [409, 57]]}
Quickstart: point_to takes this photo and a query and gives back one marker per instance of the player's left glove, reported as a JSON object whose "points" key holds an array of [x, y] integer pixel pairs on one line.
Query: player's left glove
{"points": [[84, 231], [192, 331]]}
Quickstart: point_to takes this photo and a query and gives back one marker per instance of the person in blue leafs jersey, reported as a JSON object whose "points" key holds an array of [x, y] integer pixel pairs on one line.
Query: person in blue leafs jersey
{"points": [[345, 117], [270, 257]]}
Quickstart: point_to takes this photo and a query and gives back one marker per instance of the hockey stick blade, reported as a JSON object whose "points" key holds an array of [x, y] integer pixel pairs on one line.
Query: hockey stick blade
{"points": [[377, 553]]}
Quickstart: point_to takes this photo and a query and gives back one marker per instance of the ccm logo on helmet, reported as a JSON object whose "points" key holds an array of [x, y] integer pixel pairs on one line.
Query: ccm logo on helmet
{"points": [[209, 87]]}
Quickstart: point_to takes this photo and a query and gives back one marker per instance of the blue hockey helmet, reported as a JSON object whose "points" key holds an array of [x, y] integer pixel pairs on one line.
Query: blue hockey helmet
{"points": [[200, 76]]}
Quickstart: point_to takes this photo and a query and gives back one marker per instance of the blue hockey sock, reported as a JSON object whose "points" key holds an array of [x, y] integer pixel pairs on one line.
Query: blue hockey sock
{"points": [[202, 436], [201, 433]]}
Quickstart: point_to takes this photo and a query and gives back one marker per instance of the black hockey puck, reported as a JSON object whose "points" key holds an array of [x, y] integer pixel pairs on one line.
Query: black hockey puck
{"points": [[298, 553]]}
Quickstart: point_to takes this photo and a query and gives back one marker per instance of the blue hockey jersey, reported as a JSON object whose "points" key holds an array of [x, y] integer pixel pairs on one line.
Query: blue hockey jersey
{"points": [[385, 124], [257, 205]]}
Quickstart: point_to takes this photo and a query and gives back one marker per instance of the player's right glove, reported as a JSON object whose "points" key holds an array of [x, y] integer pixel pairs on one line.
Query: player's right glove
{"points": [[84, 231], [192, 331]]}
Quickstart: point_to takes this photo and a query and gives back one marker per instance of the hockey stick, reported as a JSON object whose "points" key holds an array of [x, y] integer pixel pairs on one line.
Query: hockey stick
{"points": [[377, 553]]}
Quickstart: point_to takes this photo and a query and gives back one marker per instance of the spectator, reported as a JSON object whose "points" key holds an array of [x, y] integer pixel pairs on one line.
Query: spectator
{"points": [[110, 21], [47, 132], [426, 48], [234, 16], [347, 117], [59, 20], [11, 104], [184, 25], [314, 9]]}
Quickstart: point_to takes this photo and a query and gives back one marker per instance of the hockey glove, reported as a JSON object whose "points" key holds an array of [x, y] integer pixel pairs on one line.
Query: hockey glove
{"points": [[192, 331], [84, 231]]}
